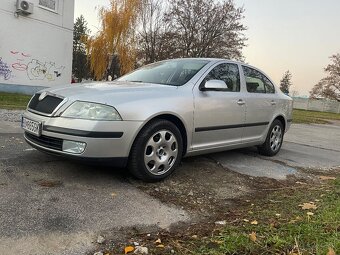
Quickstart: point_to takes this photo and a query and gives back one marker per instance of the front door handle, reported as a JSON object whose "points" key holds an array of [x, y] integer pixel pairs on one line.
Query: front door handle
{"points": [[273, 102], [240, 102]]}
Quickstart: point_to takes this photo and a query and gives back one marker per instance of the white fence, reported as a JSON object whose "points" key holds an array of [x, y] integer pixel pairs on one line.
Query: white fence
{"points": [[321, 105]]}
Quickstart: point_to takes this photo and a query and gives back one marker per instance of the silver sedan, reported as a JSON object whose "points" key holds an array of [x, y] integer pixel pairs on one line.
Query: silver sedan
{"points": [[150, 118]]}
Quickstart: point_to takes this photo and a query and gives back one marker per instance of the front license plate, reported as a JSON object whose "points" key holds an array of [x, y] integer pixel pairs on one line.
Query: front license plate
{"points": [[31, 126]]}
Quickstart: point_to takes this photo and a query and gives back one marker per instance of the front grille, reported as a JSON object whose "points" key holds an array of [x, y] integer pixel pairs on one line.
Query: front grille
{"points": [[46, 141], [47, 105]]}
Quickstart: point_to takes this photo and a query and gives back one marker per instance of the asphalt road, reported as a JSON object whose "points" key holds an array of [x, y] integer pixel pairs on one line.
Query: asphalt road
{"points": [[52, 206]]}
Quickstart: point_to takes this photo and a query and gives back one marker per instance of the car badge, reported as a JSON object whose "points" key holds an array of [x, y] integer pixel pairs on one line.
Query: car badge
{"points": [[42, 96]]}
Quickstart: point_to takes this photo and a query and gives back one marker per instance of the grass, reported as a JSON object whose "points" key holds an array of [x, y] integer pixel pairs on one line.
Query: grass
{"points": [[309, 117], [283, 227], [13, 101]]}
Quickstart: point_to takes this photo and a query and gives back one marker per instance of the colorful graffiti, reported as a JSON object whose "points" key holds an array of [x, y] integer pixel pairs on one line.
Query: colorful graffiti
{"points": [[37, 70], [19, 65], [5, 72], [34, 68]]}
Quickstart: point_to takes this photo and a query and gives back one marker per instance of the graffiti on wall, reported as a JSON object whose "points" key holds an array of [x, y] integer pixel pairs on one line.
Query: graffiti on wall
{"points": [[37, 70], [34, 68], [5, 72]]}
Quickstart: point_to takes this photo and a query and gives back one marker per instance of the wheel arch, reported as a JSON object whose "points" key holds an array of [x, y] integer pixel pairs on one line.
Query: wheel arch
{"points": [[282, 119], [176, 120]]}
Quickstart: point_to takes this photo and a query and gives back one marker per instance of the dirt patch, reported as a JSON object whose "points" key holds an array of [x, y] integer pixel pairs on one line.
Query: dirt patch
{"points": [[49, 183], [210, 193]]}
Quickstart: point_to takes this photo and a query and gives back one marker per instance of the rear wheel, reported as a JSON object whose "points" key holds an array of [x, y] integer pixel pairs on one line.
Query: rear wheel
{"points": [[274, 140], [156, 151]]}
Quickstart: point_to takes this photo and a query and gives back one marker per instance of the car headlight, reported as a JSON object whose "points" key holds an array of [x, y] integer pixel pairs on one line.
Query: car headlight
{"points": [[91, 111]]}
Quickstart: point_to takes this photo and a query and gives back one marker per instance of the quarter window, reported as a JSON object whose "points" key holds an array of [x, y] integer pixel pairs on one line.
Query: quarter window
{"points": [[228, 73], [257, 82]]}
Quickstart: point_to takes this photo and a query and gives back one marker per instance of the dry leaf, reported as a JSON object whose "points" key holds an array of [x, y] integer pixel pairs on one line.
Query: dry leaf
{"points": [[302, 183], [160, 246], [254, 222], [331, 251], [325, 178], [278, 215], [245, 220], [128, 249], [113, 194], [308, 206], [252, 236], [310, 213], [158, 241]]}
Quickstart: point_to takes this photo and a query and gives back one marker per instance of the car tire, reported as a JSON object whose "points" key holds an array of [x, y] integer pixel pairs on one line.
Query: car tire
{"points": [[156, 151], [274, 139]]}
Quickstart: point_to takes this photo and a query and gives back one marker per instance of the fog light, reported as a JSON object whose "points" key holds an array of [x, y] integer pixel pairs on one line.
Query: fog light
{"points": [[73, 147]]}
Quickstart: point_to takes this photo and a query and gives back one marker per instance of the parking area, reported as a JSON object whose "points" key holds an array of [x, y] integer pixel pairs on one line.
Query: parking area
{"points": [[51, 205]]}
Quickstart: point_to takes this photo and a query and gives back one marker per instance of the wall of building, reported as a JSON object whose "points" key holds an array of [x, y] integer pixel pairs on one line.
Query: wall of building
{"points": [[36, 50]]}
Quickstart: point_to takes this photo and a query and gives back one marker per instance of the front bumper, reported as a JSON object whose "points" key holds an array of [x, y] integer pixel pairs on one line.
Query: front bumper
{"points": [[104, 139]]}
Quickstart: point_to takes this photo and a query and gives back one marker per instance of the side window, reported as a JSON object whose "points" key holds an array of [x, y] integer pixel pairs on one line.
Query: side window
{"points": [[257, 82], [228, 73]]}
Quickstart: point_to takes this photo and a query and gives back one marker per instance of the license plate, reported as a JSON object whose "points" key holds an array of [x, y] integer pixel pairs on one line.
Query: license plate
{"points": [[34, 127]]}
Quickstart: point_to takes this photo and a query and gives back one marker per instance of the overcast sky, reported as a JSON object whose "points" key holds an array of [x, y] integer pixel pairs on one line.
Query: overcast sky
{"points": [[295, 35]]}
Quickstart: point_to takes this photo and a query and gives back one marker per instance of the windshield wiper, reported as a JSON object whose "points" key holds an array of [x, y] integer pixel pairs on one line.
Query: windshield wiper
{"points": [[136, 81]]}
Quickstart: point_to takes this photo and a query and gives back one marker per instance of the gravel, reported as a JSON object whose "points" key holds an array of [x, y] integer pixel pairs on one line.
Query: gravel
{"points": [[11, 115]]}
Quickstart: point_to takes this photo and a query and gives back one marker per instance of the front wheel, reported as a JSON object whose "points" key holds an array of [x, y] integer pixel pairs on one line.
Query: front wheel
{"points": [[156, 151], [274, 140]]}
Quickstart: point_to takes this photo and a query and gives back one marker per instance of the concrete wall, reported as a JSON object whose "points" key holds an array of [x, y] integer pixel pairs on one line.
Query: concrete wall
{"points": [[36, 50], [320, 105]]}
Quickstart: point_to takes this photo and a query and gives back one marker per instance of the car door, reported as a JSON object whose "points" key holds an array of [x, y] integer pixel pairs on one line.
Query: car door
{"points": [[261, 103], [219, 114]]}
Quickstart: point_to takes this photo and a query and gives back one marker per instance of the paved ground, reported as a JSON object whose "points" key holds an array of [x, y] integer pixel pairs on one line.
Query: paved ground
{"points": [[52, 206]]}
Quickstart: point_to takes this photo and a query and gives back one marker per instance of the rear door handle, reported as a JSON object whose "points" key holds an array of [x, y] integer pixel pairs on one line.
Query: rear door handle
{"points": [[273, 102], [240, 102]]}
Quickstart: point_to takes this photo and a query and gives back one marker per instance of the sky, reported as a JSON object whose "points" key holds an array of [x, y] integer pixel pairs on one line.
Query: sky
{"points": [[294, 35]]}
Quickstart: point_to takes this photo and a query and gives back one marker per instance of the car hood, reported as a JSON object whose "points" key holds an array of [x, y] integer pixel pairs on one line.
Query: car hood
{"points": [[112, 93]]}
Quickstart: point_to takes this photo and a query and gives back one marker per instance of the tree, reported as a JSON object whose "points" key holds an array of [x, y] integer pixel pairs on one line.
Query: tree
{"points": [[329, 87], [206, 28], [286, 82], [116, 37], [80, 67], [152, 27]]}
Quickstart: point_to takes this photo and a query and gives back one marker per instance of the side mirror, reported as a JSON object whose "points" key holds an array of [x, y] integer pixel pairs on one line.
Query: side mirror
{"points": [[214, 85]]}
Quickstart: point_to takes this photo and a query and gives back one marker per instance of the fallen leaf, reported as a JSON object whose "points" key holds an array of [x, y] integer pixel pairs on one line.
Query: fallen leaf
{"points": [[325, 178], [278, 215], [310, 213], [331, 251], [252, 236], [254, 222], [160, 246], [113, 194], [301, 183], [128, 249], [308, 206], [317, 200], [245, 220], [158, 241]]}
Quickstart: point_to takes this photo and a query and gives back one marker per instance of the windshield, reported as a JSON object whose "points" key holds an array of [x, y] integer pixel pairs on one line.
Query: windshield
{"points": [[171, 72]]}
